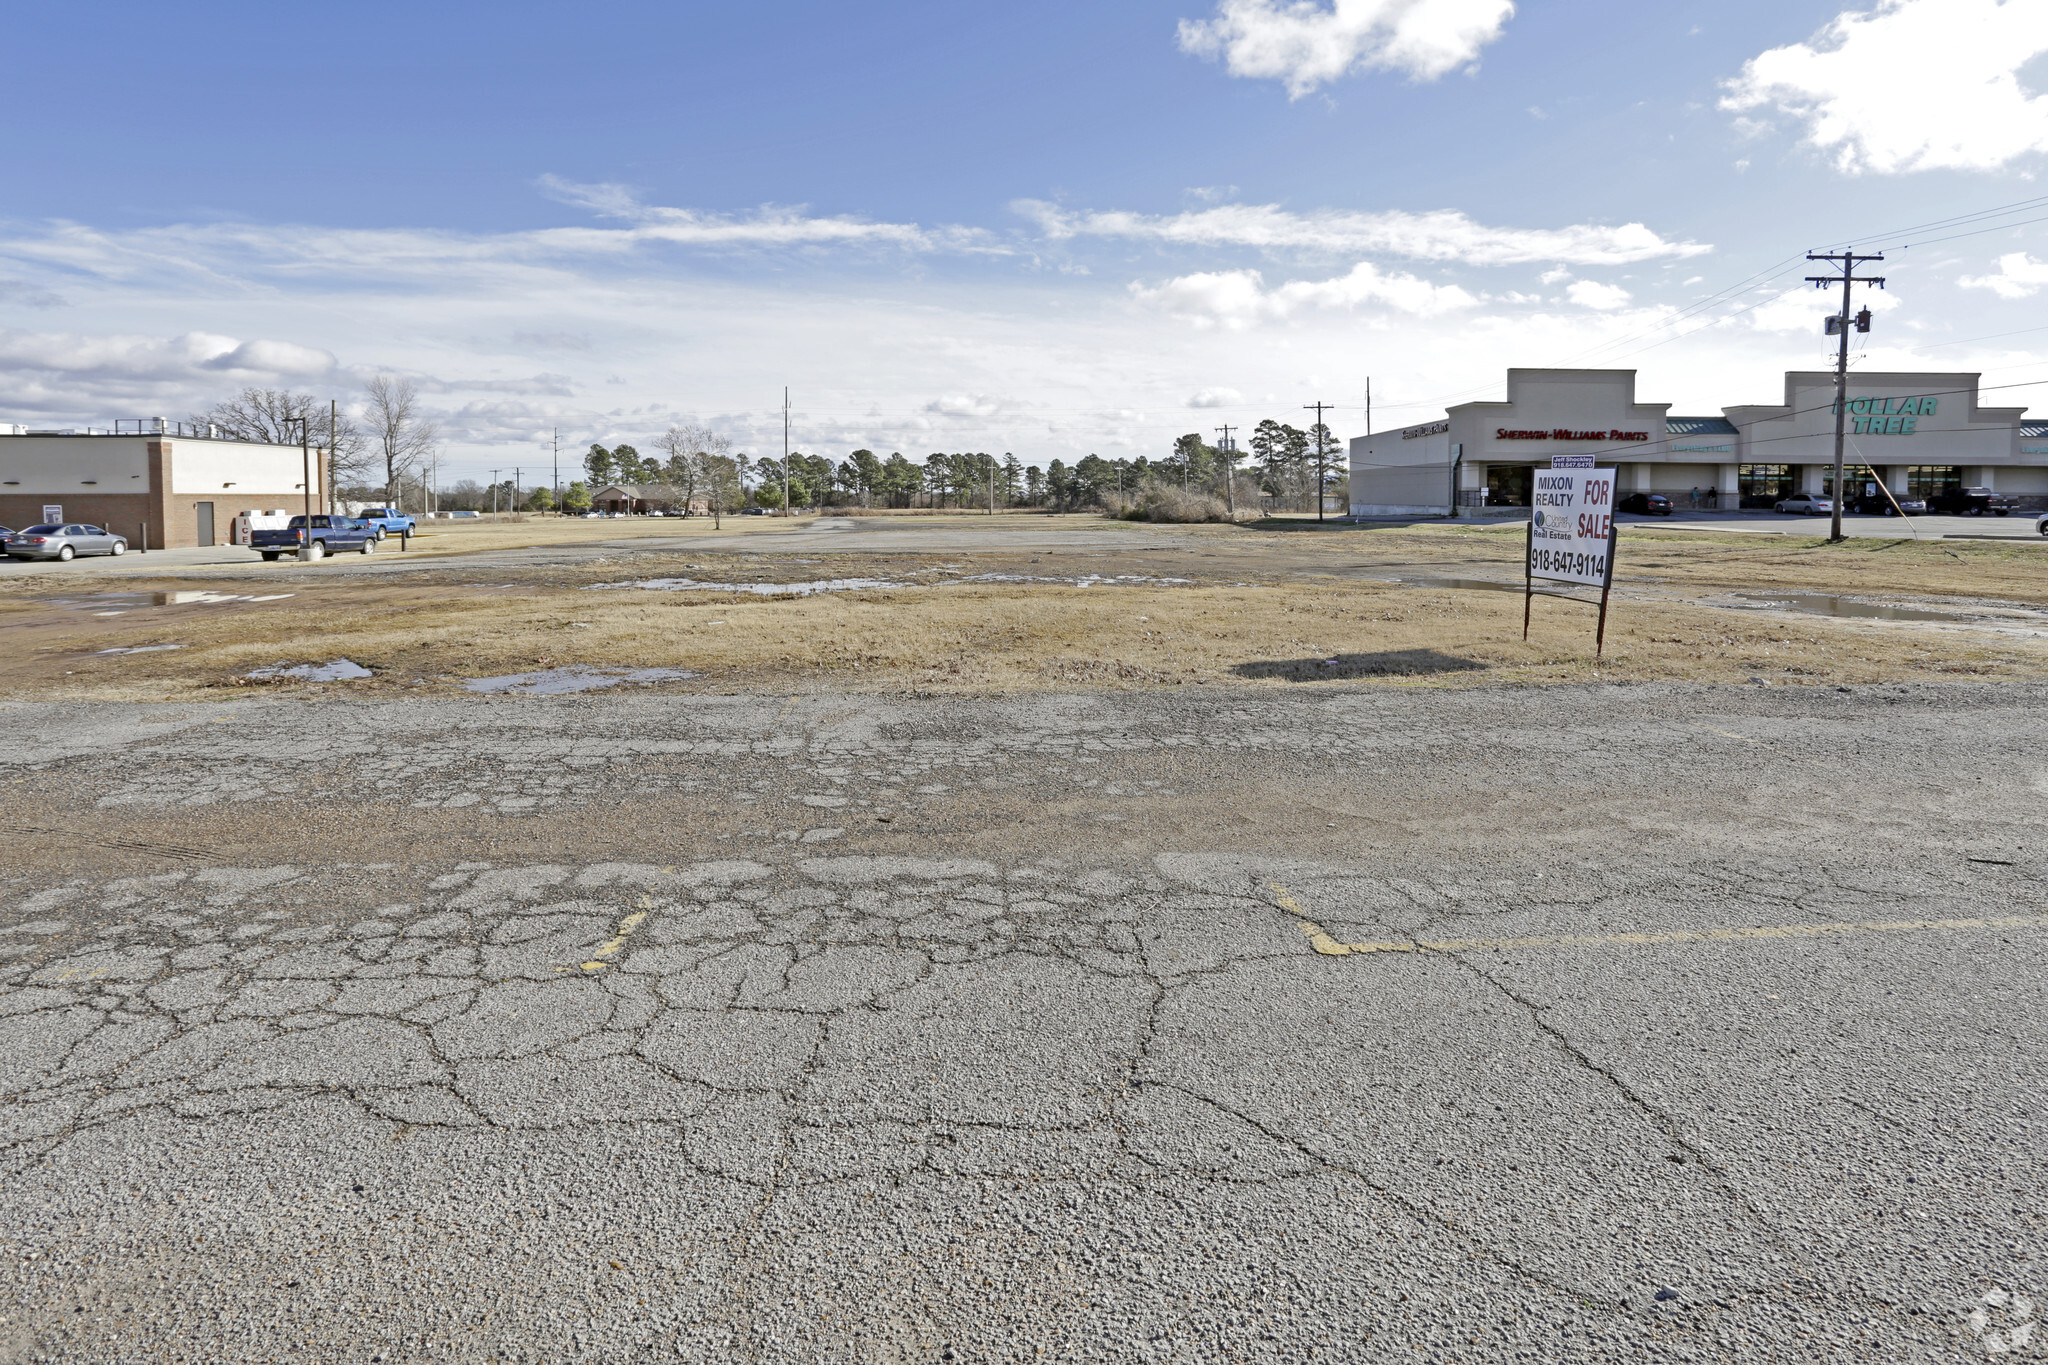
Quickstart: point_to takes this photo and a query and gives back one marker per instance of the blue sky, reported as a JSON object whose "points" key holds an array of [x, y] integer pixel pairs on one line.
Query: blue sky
{"points": [[1047, 230]]}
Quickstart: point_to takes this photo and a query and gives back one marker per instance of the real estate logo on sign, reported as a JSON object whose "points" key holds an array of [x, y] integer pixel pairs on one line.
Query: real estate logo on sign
{"points": [[1571, 526]]}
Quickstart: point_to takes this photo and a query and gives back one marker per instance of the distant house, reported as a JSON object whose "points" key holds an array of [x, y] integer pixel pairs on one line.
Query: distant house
{"points": [[638, 499]]}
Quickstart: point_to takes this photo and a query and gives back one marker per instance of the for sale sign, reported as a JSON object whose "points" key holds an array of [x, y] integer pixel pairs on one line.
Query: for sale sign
{"points": [[1571, 526]]}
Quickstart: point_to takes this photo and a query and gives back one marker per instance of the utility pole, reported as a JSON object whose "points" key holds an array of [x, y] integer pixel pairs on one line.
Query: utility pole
{"points": [[558, 471], [991, 485], [516, 472], [785, 450], [1322, 461], [306, 472], [1229, 471], [494, 490], [1838, 326], [333, 443]]}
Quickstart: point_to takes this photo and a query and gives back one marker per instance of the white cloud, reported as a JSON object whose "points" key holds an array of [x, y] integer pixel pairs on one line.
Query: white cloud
{"points": [[1592, 294], [770, 226], [121, 374], [1910, 85], [2019, 276], [28, 296], [979, 406], [1442, 235], [1238, 298], [1216, 398], [193, 355], [1303, 45], [1803, 308]]}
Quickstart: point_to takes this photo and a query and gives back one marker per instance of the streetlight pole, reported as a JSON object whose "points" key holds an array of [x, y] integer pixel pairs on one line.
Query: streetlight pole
{"points": [[1838, 326], [785, 451]]}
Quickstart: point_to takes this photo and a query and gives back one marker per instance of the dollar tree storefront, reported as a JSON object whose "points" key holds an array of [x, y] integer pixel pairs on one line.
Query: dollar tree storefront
{"points": [[1919, 433]]}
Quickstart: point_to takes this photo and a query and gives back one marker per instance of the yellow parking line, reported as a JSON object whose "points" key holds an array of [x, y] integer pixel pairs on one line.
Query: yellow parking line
{"points": [[1320, 939], [605, 950]]}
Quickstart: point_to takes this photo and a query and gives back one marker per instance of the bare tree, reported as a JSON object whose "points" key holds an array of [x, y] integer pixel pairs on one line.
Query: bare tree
{"points": [[275, 416], [403, 437], [694, 455]]}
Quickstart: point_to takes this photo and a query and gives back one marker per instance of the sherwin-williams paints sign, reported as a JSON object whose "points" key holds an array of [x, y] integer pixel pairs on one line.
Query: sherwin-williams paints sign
{"points": [[1567, 434], [1888, 416]]}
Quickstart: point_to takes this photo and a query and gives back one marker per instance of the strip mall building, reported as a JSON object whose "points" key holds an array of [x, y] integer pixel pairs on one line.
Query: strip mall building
{"points": [[1921, 432]]}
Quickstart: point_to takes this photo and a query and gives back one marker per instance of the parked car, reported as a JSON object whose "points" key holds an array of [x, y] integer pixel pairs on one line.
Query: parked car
{"points": [[326, 536], [1970, 502], [388, 520], [66, 541], [753, 511], [1645, 504], [2041, 525], [1878, 505], [1806, 505]]}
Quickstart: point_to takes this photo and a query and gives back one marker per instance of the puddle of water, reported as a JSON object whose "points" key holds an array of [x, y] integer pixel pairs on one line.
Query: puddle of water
{"points": [[138, 649], [556, 682], [120, 602], [338, 670], [1822, 604]]}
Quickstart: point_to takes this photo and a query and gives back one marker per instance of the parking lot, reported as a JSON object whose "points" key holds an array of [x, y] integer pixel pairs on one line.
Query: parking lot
{"points": [[1601, 1024]]}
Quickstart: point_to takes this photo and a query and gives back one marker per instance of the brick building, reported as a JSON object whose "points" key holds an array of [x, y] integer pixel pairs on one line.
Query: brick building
{"points": [[184, 483]]}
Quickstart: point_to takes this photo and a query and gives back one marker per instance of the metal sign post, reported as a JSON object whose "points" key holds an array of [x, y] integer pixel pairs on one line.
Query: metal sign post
{"points": [[1607, 582]]}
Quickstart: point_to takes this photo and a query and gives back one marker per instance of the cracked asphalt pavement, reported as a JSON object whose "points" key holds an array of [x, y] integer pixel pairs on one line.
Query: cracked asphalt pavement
{"points": [[1608, 1023]]}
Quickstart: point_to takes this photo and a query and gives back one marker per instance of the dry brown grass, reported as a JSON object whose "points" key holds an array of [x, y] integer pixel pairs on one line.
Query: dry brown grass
{"points": [[1267, 608], [511, 532], [2013, 571], [1008, 638]]}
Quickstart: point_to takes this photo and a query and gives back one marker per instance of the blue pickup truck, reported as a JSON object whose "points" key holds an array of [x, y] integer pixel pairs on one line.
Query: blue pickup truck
{"points": [[326, 535], [389, 521]]}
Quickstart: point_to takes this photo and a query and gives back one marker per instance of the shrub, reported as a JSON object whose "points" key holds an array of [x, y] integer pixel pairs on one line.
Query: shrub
{"points": [[1166, 502]]}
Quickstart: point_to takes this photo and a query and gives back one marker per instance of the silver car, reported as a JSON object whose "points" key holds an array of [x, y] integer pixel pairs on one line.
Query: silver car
{"points": [[68, 541]]}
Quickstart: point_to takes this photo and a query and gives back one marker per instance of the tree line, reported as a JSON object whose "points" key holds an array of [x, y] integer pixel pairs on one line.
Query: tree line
{"points": [[389, 448]]}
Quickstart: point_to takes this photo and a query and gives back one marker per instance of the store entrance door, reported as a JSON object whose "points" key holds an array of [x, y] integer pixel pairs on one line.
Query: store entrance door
{"points": [[1766, 485], [202, 518], [1509, 485]]}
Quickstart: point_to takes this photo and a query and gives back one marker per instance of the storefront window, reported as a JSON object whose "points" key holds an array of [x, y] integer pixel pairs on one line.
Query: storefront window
{"points": [[1765, 485], [1509, 485], [1933, 480]]}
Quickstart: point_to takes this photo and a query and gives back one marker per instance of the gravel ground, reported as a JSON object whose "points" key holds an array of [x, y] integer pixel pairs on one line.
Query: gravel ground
{"points": [[1592, 1024]]}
